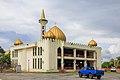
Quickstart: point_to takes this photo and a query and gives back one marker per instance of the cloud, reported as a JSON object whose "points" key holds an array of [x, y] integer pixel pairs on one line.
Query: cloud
{"points": [[4, 40], [80, 20], [111, 52], [114, 49]]}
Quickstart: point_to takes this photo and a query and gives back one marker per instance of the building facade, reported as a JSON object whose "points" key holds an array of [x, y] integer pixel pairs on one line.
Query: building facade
{"points": [[52, 53]]}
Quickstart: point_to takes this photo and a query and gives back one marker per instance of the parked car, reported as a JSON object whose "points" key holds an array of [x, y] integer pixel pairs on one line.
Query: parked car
{"points": [[90, 72], [113, 69]]}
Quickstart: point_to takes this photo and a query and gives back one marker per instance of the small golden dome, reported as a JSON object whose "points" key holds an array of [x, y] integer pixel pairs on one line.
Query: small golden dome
{"points": [[92, 43], [18, 42], [7, 52], [49, 34], [58, 33]]}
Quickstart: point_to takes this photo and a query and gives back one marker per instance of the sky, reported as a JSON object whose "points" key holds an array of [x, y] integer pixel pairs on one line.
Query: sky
{"points": [[80, 20]]}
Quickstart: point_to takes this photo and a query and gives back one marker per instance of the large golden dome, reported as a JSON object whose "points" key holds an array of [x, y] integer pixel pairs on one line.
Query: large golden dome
{"points": [[18, 42], [92, 43], [7, 52], [49, 34], [58, 33]]}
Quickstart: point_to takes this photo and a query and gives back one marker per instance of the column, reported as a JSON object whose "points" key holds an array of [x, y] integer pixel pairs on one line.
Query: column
{"points": [[62, 58], [95, 65], [85, 63], [74, 64], [94, 54], [75, 59], [74, 53], [85, 53]]}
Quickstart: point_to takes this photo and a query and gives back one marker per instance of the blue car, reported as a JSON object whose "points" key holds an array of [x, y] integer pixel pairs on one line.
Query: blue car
{"points": [[90, 72]]}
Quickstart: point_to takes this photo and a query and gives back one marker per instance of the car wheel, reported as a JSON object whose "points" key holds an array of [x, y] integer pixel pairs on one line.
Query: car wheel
{"points": [[80, 75], [99, 76], [90, 76]]}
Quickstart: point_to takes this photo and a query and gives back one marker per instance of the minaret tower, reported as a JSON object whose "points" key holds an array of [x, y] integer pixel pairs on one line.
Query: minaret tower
{"points": [[43, 23]]}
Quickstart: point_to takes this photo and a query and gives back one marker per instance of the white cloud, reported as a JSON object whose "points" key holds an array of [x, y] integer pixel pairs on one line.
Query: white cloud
{"points": [[4, 40], [114, 49], [80, 20]]}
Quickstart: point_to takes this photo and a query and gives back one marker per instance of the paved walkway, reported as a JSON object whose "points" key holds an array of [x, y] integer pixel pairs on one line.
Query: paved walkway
{"points": [[53, 76]]}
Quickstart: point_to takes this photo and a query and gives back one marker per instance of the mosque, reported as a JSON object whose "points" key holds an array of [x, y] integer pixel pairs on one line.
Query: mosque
{"points": [[53, 53]]}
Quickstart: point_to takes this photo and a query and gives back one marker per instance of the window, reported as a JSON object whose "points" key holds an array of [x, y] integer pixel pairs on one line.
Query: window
{"points": [[40, 63], [16, 53], [59, 51], [42, 27], [40, 50], [33, 63], [12, 62], [12, 53], [34, 51], [43, 32]]}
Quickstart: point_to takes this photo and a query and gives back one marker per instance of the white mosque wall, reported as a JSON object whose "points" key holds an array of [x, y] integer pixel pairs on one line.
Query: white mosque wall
{"points": [[49, 54]]}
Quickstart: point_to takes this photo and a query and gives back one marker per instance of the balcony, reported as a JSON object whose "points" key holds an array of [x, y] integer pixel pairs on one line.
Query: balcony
{"points": [[80, 56], [90, 56], [69, 68], [69, 55], [59, 54]]}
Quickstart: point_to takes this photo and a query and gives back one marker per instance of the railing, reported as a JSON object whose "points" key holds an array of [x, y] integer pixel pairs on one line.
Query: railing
{"points": [[90, 56], [69, 55], [81, 56], [59, 67], [69, 68], [59, 54]]}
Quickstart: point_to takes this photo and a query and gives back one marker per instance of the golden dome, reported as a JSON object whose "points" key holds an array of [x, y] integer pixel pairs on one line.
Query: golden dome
{"points": [[92, 43], [18, 42], [49, 34], [7, 52], [58, 33]]}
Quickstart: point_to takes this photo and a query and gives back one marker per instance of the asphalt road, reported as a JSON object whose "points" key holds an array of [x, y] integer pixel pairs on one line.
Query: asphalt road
{"points": [[53, 76]]}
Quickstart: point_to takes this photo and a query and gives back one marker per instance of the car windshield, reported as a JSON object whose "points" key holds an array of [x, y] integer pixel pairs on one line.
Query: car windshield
{"points": [[90, 68]]}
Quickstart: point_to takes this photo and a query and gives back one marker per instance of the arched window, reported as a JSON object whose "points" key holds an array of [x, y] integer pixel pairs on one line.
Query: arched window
{"points": [[59, 51]]}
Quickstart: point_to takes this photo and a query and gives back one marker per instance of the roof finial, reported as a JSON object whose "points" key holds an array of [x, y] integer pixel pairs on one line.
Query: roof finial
{"points": [[43, 14]]}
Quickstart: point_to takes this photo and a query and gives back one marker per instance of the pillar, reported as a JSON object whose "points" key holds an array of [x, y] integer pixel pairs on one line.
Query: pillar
{"points": [[62, 58], [74, 64], [74, 53], [94, 53], [85, 63], [85, 53]]}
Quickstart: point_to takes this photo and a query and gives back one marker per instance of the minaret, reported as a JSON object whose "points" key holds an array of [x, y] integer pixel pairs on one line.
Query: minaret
{"points": [[43, 23]]}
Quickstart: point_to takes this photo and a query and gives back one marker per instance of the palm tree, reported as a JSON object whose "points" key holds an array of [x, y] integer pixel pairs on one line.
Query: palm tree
{"points": [[112, 62]]}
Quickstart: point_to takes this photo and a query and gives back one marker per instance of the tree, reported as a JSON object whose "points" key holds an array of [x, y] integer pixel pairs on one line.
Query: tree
{"points": [[1, 51], [112, 62], [5, 59], [105, 65], [118, 58]]}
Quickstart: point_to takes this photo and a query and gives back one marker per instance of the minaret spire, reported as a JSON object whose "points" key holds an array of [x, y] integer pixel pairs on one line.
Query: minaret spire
{"points": [[43, 14], [43, 23]]}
